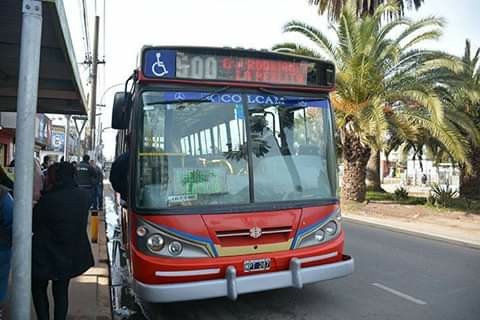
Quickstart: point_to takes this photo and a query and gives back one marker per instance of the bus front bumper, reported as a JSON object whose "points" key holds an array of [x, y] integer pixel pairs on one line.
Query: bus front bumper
{"points": [[232, 285]]}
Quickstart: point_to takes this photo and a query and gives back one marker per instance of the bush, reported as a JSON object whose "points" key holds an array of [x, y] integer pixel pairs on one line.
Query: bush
{"points": [[443, 196], [431, 200], [400, 194], [379, 196], [414, 201]]}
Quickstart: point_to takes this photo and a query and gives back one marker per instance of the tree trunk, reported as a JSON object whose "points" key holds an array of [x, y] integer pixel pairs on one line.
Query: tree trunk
{"points": [[355, 157], [374, 182], [470, 183]]}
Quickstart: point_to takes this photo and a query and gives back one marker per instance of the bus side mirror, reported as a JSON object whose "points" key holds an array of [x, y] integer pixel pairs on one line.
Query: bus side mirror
{"points": [[121, 110]]}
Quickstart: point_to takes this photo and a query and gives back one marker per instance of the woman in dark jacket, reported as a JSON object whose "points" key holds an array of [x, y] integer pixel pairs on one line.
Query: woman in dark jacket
{"points": [[61, 249]]}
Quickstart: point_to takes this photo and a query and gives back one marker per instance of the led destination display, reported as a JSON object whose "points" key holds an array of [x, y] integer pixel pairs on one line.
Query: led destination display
{"points": [[220, 66], [241, 69]]}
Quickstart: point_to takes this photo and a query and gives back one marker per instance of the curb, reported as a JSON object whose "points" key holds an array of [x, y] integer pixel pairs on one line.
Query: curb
{"points": [[419, 234]]}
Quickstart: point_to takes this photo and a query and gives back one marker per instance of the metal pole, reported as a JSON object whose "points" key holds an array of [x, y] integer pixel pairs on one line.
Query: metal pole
{"points": [[67, 137], [26, 109], [99, 143], [93, 94]]}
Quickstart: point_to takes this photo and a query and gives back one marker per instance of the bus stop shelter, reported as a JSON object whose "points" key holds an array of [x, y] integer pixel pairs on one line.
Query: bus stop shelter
{"points": [[59, 87], [38, 74]]}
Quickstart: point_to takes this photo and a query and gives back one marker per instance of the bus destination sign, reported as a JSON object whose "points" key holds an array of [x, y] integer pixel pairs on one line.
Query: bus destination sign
{"points": [[171, 64]]}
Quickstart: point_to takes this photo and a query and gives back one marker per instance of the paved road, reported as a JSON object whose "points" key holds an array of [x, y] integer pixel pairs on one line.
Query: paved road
{"points": [[397, 277]]}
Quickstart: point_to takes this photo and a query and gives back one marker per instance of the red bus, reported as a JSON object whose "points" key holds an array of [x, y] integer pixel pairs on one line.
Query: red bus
{"points": [[232, 173]]}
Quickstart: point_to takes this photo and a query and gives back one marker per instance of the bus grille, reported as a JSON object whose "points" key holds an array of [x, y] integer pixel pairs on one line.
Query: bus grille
{"points": [[250, 236]]}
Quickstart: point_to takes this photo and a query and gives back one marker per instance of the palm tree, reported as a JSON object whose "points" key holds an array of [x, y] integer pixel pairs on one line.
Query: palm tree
{"points": [[362, 7], [462, 93], [382, 80]]}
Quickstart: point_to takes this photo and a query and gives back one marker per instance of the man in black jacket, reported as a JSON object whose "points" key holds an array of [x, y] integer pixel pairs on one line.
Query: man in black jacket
{"points": [[98, 187], [86, 177]]}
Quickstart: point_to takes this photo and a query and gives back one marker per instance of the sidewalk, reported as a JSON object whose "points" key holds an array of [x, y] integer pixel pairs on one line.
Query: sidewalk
{"points": [[455, 227], [89, 293]]}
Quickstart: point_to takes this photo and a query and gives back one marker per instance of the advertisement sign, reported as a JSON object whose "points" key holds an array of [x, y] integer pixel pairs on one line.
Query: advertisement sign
{"points": [[43, 130], [58, 140], [188, 181]]}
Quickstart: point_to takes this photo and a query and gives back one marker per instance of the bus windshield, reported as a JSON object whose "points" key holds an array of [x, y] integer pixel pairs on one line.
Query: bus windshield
{"points": [[200, 149]]}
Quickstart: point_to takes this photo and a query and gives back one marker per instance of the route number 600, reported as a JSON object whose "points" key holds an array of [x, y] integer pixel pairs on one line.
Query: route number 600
{"points": [[196, 67]]}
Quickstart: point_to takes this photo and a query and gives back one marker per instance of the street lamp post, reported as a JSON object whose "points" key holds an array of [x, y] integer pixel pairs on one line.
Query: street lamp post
{"points": [[100, 130], [108, 89], [100, 143]]}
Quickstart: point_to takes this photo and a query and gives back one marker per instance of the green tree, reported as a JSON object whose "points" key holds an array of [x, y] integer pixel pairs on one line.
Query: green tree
{"points": [[383, 80], [362, 7], [461, 91], [470, 104], [460, 94]]}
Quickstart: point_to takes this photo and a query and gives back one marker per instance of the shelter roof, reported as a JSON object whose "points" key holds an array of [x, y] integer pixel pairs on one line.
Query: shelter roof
{"points": [[60, 89]]}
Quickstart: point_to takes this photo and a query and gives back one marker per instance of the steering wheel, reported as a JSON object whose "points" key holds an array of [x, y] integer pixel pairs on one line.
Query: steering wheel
{"points": [[223, 162]]}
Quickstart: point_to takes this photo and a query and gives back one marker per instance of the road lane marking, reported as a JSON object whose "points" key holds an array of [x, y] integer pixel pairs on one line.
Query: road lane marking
{"points": [[400, 294]]}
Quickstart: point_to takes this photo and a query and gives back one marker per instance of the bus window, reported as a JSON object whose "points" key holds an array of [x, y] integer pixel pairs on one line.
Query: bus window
{"points": [[205, 145], [292, 140], [308, 129], [168, 176], [222, 137]]}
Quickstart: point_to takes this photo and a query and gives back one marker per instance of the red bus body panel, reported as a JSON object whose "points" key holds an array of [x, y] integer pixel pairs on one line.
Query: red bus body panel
{"points": [[208, 225]]}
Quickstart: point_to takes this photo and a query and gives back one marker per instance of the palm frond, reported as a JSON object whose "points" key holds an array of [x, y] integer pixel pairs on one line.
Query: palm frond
{"points": [[465, 124], [294, 48], [312, 33], [447, 135]]}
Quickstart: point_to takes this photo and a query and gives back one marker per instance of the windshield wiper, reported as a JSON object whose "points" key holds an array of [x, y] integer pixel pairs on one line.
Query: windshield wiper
{"points": [[199, 100]]}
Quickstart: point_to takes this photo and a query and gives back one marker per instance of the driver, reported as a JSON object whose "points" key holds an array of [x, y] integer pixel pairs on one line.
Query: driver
{"points": [[262, 137]]}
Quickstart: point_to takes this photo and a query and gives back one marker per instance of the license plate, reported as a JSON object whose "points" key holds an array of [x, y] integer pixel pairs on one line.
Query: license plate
{"points": [[256, 265]]}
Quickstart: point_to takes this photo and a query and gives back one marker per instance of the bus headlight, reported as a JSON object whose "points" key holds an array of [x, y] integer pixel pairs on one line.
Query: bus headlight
{"points": [[157, 240], [320, 235], [331, 228], [175, 248], [155, 243], [324, 232], [141, 231]]}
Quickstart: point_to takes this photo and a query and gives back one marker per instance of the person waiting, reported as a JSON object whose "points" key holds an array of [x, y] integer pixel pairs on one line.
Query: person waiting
{"points": [[86, 177], [60, 246], [98, 187]]}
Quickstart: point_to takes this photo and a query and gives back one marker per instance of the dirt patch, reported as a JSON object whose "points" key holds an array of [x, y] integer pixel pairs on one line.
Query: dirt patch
{"points": [[453, 224]]}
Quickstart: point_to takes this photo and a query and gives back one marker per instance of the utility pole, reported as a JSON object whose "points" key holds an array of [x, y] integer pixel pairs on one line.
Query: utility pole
{"points": [[93, 92], [93, 117], [30, 46]]}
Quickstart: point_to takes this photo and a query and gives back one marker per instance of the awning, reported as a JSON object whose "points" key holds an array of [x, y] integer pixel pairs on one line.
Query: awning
{"points": [[59, 88]]}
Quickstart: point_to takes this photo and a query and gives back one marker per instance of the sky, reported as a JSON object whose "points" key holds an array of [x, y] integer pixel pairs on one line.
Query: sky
{"points": [[129, 25]]}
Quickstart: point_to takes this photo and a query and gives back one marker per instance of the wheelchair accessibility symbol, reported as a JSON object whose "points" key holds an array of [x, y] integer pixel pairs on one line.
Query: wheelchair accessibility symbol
{"points": [[179, 96], [158, 68]]}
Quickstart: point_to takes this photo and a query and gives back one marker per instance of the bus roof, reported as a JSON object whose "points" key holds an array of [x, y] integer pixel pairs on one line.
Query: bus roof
{"points": [[234, 67]]}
